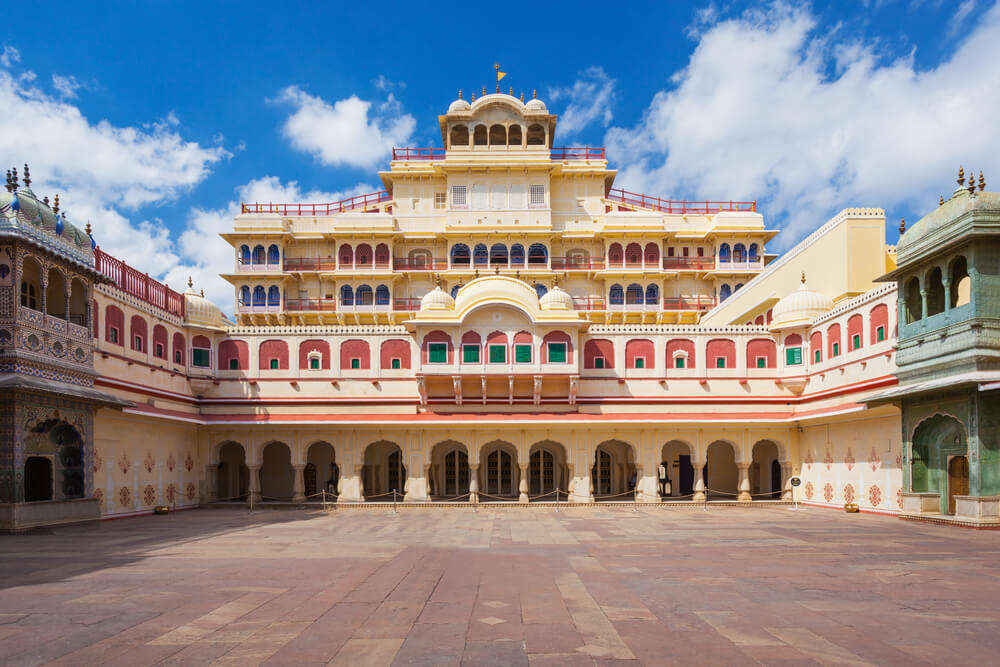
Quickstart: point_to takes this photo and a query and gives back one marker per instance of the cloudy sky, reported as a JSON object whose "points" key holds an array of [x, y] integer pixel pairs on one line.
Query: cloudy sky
{"points": [[155, 120]]}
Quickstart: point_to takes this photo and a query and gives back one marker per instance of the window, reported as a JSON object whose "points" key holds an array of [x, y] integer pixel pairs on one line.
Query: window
{"points": [[598, 362], [234, 364], [855, 341], [498, 354], [437, 353], [640, 362], [557, 353], [470, 354], [395, 363], [274, 364], [137, 343], [440, 199], [880, 334], [761, 362], [522, 354], [701, 252], [200, 357], [158, 351], [720, 362], [836, 349], [28, 297], [459, 196], [314, 363], [817, 356], [793, 356], [113, 334], [679, 362], [355, 363], [536, 196], [177, 356]]}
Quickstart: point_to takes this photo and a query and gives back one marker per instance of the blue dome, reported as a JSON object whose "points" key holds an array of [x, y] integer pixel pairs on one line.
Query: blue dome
{"points": [[15, 205], [59, 225]]}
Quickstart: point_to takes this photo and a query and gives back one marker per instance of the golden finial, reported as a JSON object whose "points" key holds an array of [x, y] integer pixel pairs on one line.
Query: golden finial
{"points": [[190, 283], [202, 292], [982, 182], [555, 280], [534, 93], [972, 185], [522, 95], [941, 200], [27, 176], [511, 93], [437, 280], [902, 226], [961, 176], [87, 228], [473, 96], [484, 89], [55, 206], [803, 277], [459, 93]]}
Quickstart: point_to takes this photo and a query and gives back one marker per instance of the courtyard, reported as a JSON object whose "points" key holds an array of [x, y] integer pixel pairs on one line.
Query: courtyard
{"points": [[449, 585]]}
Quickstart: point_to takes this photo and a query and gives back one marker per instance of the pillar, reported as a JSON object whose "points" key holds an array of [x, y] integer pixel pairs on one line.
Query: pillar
{"points": [[211, 492], [923, 304], [522, 484], [699, 482], [68, 293], [473, 483], [351, 489], [786, 480], [946, 281], [254, 482], [299, 484], [743, 488]]}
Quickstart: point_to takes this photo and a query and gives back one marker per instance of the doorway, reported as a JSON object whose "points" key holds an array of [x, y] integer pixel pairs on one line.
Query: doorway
{"points": [[958, 480]]}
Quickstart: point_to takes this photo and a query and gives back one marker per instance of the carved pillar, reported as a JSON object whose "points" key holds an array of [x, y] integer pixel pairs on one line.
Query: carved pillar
{"points": [[947, 291], [44, 300], [923, 303], [67, 295], [90, 315], [359, 473], [211, 492], [744, 484], [473, 483], [699, 481], [254, 482], [786, 480], [522, 485], [299, 484]]}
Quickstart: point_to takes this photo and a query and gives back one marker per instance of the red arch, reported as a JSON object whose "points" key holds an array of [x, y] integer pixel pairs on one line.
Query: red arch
{"points": [[395, 348], [598, 348], [815, 345], [272, 349], [792, 340], [346, 254], [355, 349], [615, 253], [720, 347], [762, 347], [557, 337], [680, 345], [363, 255], [436, 337], [160, 339], [636, 348], [178, 345], [879, 317], [652, 253], [138, 327], [114, 318], [314, 345], [832, 336], [234, 349], [855, 327]]}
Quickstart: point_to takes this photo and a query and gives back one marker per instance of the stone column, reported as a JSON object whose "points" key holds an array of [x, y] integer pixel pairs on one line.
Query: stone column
{"points": [[743, 488], [66, 311], [473, 483], [947, 291], [254, 482], [211, 478], [786, 480], [522, 485], [699, 482], [43, 298], [923, 304], [299, 484]]}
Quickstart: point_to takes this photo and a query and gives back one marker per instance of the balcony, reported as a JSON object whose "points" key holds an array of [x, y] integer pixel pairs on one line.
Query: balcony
{"points": [[671, 206], [589, 303], [723, 266], [366, 203], [689, 303], [577, 263], [310, 305], [563, 153], [330, 264], [625, 265], [418, 153], [419, 264], [258, 308], [689, 263], [578, 153], [252, 267], [634, 307]]}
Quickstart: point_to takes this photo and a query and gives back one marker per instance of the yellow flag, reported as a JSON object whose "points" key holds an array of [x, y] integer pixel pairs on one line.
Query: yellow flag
{"points": [[500, 75]]}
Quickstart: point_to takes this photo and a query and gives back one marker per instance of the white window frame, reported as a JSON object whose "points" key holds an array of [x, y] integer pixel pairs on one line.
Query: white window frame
{"points": [[433, 344], [603, 362], [315, 354], [680, 354], [460, 196], [548, 352], [440, 200], [536, 196]]}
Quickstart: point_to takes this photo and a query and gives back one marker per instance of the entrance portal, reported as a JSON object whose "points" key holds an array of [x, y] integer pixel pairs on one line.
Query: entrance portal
{"points": [[456, 473], [500, 473], [958, 480], [37, 479]]}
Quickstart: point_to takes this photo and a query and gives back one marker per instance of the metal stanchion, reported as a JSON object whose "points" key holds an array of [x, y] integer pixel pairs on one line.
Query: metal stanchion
{"points": [[394, 501]]}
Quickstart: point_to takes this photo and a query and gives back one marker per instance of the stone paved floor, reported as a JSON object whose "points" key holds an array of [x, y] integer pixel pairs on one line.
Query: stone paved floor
{"points": [[583, 586]]}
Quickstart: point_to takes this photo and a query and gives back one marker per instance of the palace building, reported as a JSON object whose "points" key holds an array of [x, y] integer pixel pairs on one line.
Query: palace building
{"points": [[502, 324]]}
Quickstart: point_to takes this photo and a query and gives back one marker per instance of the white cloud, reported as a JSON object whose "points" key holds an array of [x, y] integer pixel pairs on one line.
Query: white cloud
{"points": [[9, 56], [589, 99], [351, 132], [964, 9], [66, 86], [757, 114], [206, 254]]}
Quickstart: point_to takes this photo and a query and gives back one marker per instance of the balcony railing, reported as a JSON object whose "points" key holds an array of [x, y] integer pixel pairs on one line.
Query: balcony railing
{"points": [[258, 308], [638, 266], [418, 153], [406, 304], [137, 284], [723, 265], [249, 267], [689, 303], [330, 264], [368, 203], [419, 264], [688, 263], [578, 153], [589, 303], [577, 263], [674, 206], [310, 305]]}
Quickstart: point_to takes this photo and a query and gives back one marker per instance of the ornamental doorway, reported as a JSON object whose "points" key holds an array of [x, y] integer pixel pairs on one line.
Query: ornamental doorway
{"points": [[397, 474], [456, 473], [541, 473], [500, 473], [37, 479], [958, 480], [602, 473]]}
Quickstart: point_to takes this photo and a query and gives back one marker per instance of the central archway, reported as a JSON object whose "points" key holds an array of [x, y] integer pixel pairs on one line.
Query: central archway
{"points": [[499, 474], [613, 474], [321, 472], [384, 473], [232, 479], [449, 474], [547, 471], [721, 473], [676, 460], [937, 441], [276, 473]]}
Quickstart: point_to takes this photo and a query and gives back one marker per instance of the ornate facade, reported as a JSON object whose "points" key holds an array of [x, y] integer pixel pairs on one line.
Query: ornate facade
{"points": [[501, 324]]}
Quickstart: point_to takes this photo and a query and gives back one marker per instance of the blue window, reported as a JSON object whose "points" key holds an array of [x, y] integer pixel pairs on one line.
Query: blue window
{"points": [[460, 254], [273, 296], [364, 295], [273, 255], [725, 292], [739, 253], [616, 295], [454, 291], [259, 296], [244, 254], [537, 254], [652, 295], [244, 296], [738, 286], [724, 255], [754, 252], [480, 255], [517, 254], [381, 295], [633, 294], [258, 255], [346, 295], [498, 254], [540, 290]]}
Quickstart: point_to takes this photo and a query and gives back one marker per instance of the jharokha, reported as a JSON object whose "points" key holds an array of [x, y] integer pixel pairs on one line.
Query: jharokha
{"points": [[503, 324]]}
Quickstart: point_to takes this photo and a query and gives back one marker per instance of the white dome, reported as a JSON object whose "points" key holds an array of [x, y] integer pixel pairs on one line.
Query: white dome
{"points": [[437, 299], [459, 105], [556, 299], [536, 105], [200, 312], [800, 308]]}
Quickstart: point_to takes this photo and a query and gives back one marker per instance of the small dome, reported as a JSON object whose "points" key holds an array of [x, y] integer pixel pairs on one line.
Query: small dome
{"points": [[201, 312], [800, 308], [536, 105], [556, 299], [459, 105], [437, 299]]}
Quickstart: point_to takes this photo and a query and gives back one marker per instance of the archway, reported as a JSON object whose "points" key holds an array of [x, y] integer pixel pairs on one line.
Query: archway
{"points": [[547, 471], [322, 472], [499, 475], [232, 479], [37, 479], [676, 458], [936, 442], [958, 479], [613, 473], [449, 473], [384, 472], [55, 295], [276, 473], [60, 438], [721, 475], [765, 471]]}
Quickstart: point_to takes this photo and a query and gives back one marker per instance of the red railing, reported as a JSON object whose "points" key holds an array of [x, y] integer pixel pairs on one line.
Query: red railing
{"points": [[577, 263], [311, 305], [406, 304], [418, 153], [589, 303], [672, 206], [419, 264], [688, 303], [139, 285], [577, 153], [690, 263], [310, 264], [367, 203]]}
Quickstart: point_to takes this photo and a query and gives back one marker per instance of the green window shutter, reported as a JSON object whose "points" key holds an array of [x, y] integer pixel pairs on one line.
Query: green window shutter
{"points": [[234, 364], [598, 362], [470, 354], [856, 341], [396, 363], [793, 356], [761, 362], [720, 362], [836, 349], [498, 354], [557, 353], [640, 362], [818, 356], [200, 357], [314, 363], [522, 354], [880, 334], [437, 353], [679, 362], [355, 363], [274, 364]]}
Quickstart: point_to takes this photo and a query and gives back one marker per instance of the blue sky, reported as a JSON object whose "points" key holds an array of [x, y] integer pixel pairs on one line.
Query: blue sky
{"points": [[155, 118]]}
